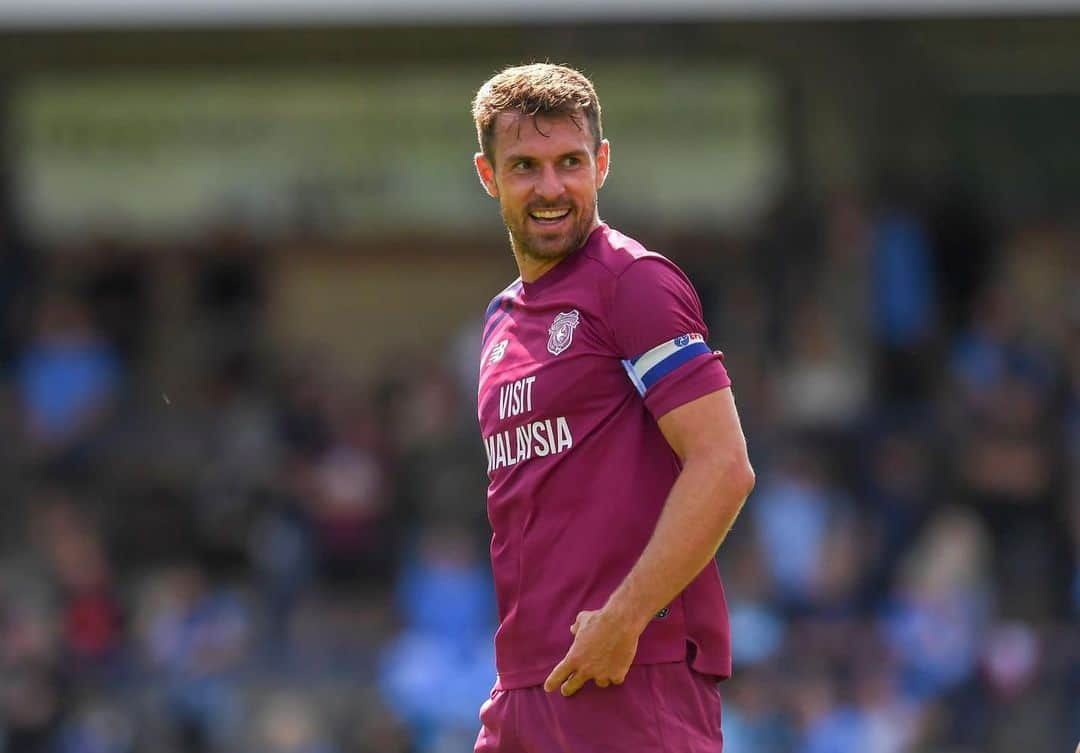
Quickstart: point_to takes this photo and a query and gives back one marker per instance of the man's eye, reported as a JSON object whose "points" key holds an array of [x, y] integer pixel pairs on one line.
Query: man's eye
{"points": [[571, 162], [520, 165]]}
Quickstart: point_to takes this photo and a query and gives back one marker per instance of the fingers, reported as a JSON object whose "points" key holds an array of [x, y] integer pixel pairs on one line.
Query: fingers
{"points": [[578, 679], [573, 684], [570, 680], [566, 677], [562, 671], [571, 674], [577, 621]]}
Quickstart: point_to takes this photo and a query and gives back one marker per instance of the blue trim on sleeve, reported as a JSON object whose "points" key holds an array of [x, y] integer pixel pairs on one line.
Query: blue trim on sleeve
{"points": [[504, 310], [499, 307]]}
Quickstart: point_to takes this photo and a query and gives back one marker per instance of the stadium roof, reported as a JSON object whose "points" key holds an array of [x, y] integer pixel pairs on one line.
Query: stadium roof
{"points": [[129, 13]]}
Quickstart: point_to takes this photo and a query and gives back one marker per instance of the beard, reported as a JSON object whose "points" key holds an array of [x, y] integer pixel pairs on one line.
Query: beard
{"points": [[533, 240]]}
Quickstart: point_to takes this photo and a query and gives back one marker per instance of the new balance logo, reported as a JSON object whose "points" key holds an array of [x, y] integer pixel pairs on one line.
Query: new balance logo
{"points": [[497, 352]]}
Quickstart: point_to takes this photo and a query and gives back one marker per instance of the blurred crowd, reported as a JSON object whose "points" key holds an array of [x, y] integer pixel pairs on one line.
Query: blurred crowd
{"points": [[279, 558]]}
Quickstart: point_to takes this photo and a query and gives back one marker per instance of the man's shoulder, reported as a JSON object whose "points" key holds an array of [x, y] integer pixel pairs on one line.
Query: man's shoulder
{"points": [[616, 253]]}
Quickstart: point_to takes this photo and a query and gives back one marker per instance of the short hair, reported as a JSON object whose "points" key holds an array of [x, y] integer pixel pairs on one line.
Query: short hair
{"points": [[535, 89]]}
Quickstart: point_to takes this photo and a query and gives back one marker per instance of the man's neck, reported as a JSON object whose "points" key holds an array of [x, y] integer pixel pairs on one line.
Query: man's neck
{"points": [[532, 269]]}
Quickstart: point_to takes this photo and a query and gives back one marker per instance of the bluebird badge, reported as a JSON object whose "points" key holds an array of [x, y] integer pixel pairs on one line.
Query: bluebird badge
{"points": [[561, 331]]}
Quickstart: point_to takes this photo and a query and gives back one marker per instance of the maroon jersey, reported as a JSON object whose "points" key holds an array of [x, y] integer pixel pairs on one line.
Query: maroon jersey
{"points": [[575, 370]]}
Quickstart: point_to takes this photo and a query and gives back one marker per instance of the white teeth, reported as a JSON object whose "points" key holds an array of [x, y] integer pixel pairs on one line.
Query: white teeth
{"points": [[549, 214]]}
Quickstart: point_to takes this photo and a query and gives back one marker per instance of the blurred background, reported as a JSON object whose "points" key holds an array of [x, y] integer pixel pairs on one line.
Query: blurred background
{"points": [[243, 263]]}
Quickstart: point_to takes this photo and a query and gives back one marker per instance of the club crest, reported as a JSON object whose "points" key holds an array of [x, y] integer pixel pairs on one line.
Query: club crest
{"points": [[561, 331]]}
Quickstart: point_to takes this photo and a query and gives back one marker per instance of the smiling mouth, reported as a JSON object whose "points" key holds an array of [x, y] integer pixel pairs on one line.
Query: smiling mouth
{"points": [[549, 216]]}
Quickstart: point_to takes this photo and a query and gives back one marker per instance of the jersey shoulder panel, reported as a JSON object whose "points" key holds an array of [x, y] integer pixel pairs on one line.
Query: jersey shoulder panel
{"points": [[502, 297], [617, 252], [498, 308]]}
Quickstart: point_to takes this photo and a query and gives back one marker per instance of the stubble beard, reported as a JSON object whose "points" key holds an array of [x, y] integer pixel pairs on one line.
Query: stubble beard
{"points": [[533, 245]]}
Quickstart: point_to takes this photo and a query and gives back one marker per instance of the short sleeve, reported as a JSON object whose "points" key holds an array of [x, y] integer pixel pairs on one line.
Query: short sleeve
{"points": [[661, 337]]}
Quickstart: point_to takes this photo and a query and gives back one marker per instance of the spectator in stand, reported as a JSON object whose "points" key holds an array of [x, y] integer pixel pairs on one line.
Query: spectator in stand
{"points": [[92, 617], [67, 379], [905, 300], [940, 606], [346, 491], [793, 511], [752, 605], [827, 724], [1006, 449], [439, 668], [753, 720], [98, 728], [195, 638], [289, 724], [821, 389], [896, 500]]}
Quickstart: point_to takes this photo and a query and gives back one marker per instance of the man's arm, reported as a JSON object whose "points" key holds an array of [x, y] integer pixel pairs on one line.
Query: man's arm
{"points": [[716, 479]]}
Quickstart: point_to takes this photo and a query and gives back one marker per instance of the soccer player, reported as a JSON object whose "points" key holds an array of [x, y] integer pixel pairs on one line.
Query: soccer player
{"points": [[615, 456]]}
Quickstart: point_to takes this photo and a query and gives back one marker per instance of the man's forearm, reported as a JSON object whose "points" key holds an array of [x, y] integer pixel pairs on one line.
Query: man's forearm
{"points": [[699, 511]]}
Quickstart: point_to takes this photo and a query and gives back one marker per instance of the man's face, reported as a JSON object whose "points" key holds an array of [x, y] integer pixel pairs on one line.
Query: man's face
{"points": [[545, 176]]}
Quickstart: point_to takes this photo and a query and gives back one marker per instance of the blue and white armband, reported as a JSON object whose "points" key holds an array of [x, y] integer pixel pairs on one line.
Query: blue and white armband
{"points": [[648, 368]]}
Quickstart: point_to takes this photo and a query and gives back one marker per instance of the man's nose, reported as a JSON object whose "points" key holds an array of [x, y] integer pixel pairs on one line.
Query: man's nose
{"points": [[549, 186]]}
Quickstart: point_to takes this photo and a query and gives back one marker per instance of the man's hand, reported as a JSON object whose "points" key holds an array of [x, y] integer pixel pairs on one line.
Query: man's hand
{"points": [[603, 649]]}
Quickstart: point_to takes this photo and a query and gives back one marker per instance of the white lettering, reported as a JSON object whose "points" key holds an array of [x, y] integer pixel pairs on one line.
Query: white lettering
{"points": [[504, 399], [565, 440], [515, 398], [511, 455], [532, 439], [528, 384], [524, 443], [519, 390], [542, 448], [500, 451]]}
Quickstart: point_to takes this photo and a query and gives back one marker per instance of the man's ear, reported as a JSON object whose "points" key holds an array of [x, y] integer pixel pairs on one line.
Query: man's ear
{"points": [[486, 173], [603, 162]]}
